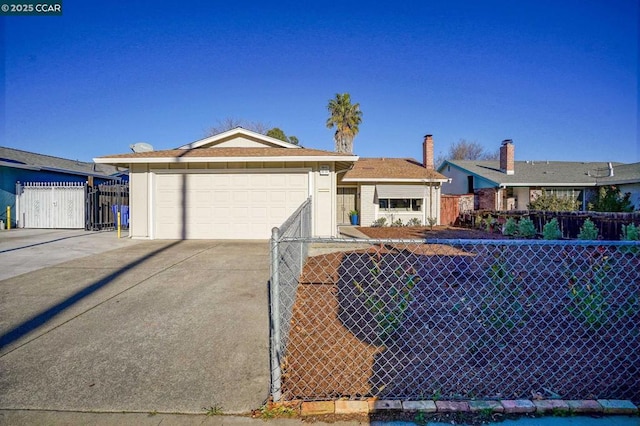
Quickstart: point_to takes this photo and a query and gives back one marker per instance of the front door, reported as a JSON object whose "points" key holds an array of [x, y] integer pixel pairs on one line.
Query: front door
{"points": [[346, 202]]}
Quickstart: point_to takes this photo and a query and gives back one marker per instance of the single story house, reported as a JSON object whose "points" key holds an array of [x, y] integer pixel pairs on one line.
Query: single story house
{"points": [[240, 184], [22, 166], [393, 188], [506, 184]]}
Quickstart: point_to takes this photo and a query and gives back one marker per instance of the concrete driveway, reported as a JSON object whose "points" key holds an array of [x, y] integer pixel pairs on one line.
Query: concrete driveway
{"points": [[167, 326]]}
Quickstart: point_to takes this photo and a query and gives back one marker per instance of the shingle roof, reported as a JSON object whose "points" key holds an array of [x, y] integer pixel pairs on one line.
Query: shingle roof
{"points": [[538, 172], [623, 173], [228, 152], [390, 168], [48, 162]]}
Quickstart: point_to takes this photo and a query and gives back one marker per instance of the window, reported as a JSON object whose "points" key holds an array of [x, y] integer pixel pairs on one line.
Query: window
{"points": [[401, 204]]}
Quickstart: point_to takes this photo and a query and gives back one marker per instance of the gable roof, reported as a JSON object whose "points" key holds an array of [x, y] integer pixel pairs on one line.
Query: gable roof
{"points": [[391, 170], [216, 155], [219, 138], [16, 158], [235, 145], [536, 173]]}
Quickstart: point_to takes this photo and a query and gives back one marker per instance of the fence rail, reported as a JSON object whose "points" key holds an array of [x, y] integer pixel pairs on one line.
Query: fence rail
{"points": [[456, 319]]}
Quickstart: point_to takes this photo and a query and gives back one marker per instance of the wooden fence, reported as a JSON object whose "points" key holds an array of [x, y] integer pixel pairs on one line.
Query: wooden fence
{"points": [[608, 224], [452, 206]]}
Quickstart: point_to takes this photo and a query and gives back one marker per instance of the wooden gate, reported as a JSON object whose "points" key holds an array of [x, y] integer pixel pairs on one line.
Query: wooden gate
{"points": [[58, 205], [449, 209]]}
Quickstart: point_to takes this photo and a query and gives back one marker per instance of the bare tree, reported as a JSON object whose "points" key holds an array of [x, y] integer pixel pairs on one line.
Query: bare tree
{"points": [[231, 123], [465, 150]]}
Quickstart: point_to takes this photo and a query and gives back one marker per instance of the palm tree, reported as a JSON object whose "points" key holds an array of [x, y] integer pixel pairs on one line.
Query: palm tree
{"points": [[345, 117]]}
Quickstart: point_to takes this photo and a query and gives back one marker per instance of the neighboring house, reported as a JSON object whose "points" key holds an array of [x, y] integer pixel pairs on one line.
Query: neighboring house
{"points": [[506, 184], [23, 166], [240, 184]]}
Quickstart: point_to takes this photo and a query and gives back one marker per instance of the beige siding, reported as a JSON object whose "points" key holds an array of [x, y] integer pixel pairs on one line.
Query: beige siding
{"points": [[139, 201], [370, 208], [522, 197], [324, 199], [322, 188], [240, 142], [368, 204]]}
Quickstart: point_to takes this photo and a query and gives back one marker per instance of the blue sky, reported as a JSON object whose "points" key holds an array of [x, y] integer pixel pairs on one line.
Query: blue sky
{"points": [[560, 78]]}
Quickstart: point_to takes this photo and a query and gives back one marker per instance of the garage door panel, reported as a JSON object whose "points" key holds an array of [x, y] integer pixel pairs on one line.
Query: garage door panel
{"points": [[297, 196], [297, 181], [277, 196], [226, 205], [241, 196]]}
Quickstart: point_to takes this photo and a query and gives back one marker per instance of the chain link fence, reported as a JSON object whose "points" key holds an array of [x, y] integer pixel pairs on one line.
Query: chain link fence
{"points": [[290, 247], [454, 319]]}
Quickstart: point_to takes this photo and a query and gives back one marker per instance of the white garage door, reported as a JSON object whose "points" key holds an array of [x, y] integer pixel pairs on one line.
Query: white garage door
{"points": [[226, 205]]}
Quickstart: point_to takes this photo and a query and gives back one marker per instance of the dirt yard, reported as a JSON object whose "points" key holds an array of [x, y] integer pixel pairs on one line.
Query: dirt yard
{"points": [[424, 232], [457, 321]]}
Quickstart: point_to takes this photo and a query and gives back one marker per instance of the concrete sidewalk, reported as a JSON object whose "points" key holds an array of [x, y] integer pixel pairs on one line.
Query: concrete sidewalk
{"points": [[167, 326], [15, 417]]}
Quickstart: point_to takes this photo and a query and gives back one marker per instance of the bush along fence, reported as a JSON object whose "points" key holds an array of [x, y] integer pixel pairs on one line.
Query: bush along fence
{"points": [[609, 225], [454, 319]]}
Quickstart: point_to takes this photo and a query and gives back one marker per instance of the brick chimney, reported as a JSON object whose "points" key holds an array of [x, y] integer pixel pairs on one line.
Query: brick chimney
{"points": [[427, 152], [507, 157]]}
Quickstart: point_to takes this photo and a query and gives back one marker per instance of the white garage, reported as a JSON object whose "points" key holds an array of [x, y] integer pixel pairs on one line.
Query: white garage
{"points": [[239, 205], [235, 185]]}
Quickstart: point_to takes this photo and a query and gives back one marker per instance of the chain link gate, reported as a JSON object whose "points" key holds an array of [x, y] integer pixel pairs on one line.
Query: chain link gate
{"points": [[455, 319]]}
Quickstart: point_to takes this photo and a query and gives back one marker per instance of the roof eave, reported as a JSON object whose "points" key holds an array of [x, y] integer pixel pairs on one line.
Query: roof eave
{"points": [[158, 160], [406, 180]]}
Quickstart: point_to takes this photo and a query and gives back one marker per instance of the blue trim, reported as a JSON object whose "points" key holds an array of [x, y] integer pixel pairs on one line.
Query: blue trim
{"points": [[492, 184]]}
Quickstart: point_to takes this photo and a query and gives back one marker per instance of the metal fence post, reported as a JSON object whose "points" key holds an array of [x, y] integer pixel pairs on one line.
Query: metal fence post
{"points": [[276, 372]]}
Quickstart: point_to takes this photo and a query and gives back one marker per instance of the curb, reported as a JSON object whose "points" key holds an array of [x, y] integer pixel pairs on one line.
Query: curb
{"points": [[506, 406]]}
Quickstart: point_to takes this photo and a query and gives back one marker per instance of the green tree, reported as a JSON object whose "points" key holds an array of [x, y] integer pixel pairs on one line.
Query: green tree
{"points": [[346, 118], [609, 199], [279, 134]]}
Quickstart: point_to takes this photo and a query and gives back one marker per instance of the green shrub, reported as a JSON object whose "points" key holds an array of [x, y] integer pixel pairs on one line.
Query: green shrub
{"points": [[630, 232], [397, 223], [610, 199], [554, 203], [526, 228], [551, 230], [510, 227], [414, 221], [379, 222], [588, 231]]}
